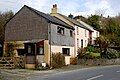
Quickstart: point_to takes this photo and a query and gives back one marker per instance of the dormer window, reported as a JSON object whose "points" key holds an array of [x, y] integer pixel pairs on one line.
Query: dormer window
{"points": [[60, 30]]}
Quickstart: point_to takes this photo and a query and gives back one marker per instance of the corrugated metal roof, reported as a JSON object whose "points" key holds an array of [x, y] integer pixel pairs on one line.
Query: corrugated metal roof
{"points": [[50, 18]]}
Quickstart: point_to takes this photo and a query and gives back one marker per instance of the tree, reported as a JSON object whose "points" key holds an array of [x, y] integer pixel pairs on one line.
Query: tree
{"points": [[103, 43], [4, 18], [94, 21], [111, 29]]}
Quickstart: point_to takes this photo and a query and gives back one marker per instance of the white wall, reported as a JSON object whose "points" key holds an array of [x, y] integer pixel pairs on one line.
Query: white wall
{"points": [[95, 34], [81, 35], [56, 49]]}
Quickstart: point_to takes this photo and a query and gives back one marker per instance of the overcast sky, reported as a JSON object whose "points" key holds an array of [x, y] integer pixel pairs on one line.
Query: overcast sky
{"points": [[76, 7]]}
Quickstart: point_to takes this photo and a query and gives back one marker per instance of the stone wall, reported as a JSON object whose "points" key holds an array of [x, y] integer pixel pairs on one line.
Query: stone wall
{"points": [[98, 61]]}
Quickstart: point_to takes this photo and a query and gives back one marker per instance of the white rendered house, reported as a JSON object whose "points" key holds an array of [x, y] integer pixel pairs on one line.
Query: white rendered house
{"points": [[83, 33]]}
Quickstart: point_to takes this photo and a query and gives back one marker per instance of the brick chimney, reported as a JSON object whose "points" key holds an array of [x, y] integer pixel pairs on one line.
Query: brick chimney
{"points": [[54, 9]]}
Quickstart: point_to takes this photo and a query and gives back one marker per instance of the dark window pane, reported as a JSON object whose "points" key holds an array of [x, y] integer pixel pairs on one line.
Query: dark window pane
{"points": [[40, 50], [66, 51], [60, 30], [71, 33]]}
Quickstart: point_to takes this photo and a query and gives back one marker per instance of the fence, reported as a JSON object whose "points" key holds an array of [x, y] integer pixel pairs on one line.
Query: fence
{"points": [[12, 62], [98, 61]]}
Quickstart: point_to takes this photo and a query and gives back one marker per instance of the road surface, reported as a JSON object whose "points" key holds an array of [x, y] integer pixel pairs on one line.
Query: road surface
{"points": [[94, 73]]}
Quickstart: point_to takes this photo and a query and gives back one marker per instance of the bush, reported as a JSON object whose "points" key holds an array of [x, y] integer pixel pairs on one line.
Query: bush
{"points": [[89, 52], [92, 55], [73, 60], [9, 51], [112, 54], [81, 53], [92, 49], [58, 60]]}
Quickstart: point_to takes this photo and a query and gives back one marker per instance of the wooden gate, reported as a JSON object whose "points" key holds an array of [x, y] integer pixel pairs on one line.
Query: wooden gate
{"points": [[12, 62]]}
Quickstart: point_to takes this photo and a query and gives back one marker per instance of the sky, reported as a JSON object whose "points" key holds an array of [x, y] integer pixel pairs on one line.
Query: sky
{"points": [[75, 7]]}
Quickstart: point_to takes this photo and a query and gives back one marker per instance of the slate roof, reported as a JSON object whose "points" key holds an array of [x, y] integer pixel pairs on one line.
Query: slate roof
{"points": [[50, 18], [85, 26]]}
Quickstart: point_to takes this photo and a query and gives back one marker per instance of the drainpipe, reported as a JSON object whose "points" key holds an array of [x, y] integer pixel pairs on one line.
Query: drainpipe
{"points": [[50, 44], [35, 55]]}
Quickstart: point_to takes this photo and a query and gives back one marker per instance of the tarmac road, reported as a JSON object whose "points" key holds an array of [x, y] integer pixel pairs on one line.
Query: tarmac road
{"points": [[94, 73]]}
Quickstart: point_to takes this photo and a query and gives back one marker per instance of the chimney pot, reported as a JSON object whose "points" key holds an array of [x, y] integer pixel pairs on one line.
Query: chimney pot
{"points": [[55, 5], [54, 9]]}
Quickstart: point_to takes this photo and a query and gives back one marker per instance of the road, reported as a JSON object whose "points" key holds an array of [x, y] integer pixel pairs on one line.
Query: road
{"points": [[94, 73]]}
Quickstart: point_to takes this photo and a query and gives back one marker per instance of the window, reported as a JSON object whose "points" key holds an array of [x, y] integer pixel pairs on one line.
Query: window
{"points": [[66, 51], [77, 31], [77, 42], [85, 43], [71, 33], [81, 43], [60, 30], [85, 33], [29, 49], [40, 50], [96, 34]]}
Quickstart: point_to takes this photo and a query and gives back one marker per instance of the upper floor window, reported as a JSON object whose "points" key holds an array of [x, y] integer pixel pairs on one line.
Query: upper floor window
{"points": [[77, 31], [97, 34], [71, 33], [60, 30]]}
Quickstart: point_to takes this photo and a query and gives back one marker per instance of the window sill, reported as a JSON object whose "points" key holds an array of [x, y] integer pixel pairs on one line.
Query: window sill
{"points": [[66, 55]]}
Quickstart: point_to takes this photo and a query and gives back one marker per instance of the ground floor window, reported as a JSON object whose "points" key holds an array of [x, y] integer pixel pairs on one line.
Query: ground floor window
{"points": [[81, 43], [40, 50], [77, 42], [85, 43], [66, 51], [30, 48]]}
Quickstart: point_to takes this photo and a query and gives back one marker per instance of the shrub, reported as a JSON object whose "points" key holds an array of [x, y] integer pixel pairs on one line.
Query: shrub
{"points": [[112, 53], [92, 49], [92, 55], [58, 60], [9, 51], [81, 53], [89, 52], [73, 60]]}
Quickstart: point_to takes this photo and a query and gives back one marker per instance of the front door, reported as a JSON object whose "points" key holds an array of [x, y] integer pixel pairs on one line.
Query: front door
{"points": [[30, 53]]}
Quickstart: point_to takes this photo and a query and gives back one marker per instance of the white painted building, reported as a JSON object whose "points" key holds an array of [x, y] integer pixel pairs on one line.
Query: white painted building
{"points": [[95, 33], [83, 32]]}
